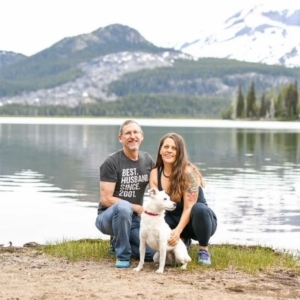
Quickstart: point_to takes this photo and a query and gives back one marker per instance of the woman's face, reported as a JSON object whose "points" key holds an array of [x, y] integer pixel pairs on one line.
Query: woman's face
{"points": [[168, 151]]}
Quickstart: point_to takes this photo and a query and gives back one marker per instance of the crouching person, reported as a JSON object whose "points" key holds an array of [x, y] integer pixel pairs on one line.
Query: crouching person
{"points": [[124, 176]]}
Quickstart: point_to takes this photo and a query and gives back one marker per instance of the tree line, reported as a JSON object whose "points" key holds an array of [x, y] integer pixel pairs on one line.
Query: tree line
{"points": [[281, 105], [267, 105], [143, 105]]}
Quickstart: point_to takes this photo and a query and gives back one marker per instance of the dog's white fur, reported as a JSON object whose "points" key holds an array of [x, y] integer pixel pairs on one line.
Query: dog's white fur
{"points": [[155, 232]]}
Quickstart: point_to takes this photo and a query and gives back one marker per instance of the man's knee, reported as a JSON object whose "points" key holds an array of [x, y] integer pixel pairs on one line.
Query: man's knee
{"points": [[123, 209], [98, 222]]}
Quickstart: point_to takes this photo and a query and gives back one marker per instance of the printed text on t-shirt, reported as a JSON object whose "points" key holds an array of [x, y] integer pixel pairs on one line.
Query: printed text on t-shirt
{"points": [[130, 182]]}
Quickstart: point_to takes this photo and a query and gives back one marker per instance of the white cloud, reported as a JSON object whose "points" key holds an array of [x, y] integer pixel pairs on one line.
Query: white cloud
{"points": [[30, 26]]}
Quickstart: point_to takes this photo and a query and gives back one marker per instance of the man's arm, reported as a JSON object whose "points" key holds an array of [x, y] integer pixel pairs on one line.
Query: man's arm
{"points": [[106, 193], [107, 198]]}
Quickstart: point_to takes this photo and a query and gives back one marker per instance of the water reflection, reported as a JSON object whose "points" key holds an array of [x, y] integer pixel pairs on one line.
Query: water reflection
{"points": [[34, 210], [252, 177]]}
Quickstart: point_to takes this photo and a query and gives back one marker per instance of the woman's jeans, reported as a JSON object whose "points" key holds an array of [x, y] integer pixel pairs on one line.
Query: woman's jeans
{"points": [[120, 221], [202, 225]]}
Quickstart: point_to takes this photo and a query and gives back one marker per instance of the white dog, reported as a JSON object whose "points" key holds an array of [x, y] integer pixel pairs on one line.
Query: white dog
{"points": [[155, 232]]}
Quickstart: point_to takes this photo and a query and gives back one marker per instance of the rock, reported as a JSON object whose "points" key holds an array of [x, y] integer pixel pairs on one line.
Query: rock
{"points": [[31, 245]]}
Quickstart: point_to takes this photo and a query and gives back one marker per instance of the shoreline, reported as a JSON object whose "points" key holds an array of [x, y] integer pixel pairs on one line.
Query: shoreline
{"points": [[198, 123], [10, 247], [30, 274]]}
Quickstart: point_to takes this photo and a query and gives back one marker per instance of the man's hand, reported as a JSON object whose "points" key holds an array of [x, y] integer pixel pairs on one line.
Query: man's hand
{"points": [[138, 209]]}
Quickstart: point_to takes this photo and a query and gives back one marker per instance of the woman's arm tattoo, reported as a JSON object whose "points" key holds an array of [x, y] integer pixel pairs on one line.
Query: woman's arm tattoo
{"points": [[192, 190]]}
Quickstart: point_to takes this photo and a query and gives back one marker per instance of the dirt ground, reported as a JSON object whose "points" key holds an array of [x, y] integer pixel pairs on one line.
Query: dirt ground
{"points": [[26, 273]]}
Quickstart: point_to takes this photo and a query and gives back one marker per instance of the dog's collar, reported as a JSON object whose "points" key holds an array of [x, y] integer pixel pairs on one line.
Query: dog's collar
{"points": [[150, 213]]}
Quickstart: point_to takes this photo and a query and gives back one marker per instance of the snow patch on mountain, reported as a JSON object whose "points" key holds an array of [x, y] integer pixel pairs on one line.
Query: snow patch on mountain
{"points": [[257, 34]]}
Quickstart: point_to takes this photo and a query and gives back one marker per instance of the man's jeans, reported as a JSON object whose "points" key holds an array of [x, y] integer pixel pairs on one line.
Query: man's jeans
{"points": [[119, 221]]}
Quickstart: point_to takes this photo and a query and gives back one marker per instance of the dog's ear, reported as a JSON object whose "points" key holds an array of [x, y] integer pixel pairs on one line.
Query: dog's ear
{"points": [[153, 191]]}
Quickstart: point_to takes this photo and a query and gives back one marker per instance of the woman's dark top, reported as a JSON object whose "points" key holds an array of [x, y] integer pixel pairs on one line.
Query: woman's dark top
{"points": [[179, 206]]}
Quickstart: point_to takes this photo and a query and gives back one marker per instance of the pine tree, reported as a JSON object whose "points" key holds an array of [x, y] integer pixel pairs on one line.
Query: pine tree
{"points": [[289, 100], [263, 106], [294, 99], [240, 106], [251, 98], [280, 105]]}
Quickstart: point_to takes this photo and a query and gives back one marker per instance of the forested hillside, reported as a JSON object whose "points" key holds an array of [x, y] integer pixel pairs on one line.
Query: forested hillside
{"points": [[59, 63], [205, 76], [142, 105]]}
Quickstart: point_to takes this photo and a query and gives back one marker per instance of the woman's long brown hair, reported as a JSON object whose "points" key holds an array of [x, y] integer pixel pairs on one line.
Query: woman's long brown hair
{"points": [[178, 178]]}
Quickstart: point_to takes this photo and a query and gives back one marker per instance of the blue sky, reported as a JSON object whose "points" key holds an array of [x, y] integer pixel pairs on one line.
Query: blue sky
{"points": [[29, 26]]}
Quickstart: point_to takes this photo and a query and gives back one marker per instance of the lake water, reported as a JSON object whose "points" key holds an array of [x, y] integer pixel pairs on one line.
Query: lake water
{"points": [[49, 176]]}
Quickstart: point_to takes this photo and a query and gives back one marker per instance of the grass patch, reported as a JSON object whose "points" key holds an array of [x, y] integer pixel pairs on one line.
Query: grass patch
{"points": [[85, 249], [249, 259]]}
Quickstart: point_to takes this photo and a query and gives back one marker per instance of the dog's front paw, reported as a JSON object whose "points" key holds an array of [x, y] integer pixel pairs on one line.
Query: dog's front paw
{"points": [[137, 269], [183, 267], [159, 271]]}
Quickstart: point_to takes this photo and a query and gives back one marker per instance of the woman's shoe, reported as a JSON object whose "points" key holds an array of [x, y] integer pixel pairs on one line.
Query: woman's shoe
{"points": [[204, 257]]}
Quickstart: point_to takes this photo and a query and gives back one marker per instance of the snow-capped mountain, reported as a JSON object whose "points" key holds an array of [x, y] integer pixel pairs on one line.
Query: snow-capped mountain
{"points": [[257, 34]]}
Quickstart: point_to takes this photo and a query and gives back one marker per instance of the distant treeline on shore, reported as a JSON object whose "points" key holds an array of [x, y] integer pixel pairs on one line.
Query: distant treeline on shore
{"points": [[130, 106], [270, 105]]}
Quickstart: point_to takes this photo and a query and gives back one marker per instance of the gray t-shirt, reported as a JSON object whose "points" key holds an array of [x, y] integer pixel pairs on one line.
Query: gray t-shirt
{"points": [[131, 177]]}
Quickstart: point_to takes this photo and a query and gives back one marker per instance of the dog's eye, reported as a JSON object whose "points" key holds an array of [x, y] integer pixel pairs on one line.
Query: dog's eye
{"points": [[165, 199]]}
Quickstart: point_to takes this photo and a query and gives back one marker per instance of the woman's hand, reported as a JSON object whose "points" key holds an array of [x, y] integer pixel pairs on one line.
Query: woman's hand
{"points": [[174, 238]]}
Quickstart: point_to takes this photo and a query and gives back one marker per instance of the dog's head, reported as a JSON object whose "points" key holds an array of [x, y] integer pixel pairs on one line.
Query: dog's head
{"points": [[160, 200]]}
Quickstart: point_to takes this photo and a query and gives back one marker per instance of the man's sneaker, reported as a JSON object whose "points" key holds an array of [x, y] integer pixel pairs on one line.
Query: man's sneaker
{"points": [[122, 263], [111, 249], [204, 257]]}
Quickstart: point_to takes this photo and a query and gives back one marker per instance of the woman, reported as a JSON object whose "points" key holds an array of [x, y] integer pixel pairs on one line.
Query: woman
{"points": [[192, 218]]}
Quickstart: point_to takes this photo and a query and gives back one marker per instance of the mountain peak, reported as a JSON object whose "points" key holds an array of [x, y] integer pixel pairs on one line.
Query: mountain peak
{"points": [[9, 57], [286, 16], [258, 33], [108, 39], [120, 33]]}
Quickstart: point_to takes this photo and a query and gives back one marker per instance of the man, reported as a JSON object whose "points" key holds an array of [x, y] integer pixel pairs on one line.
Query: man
{"points": [[124, 176]]}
